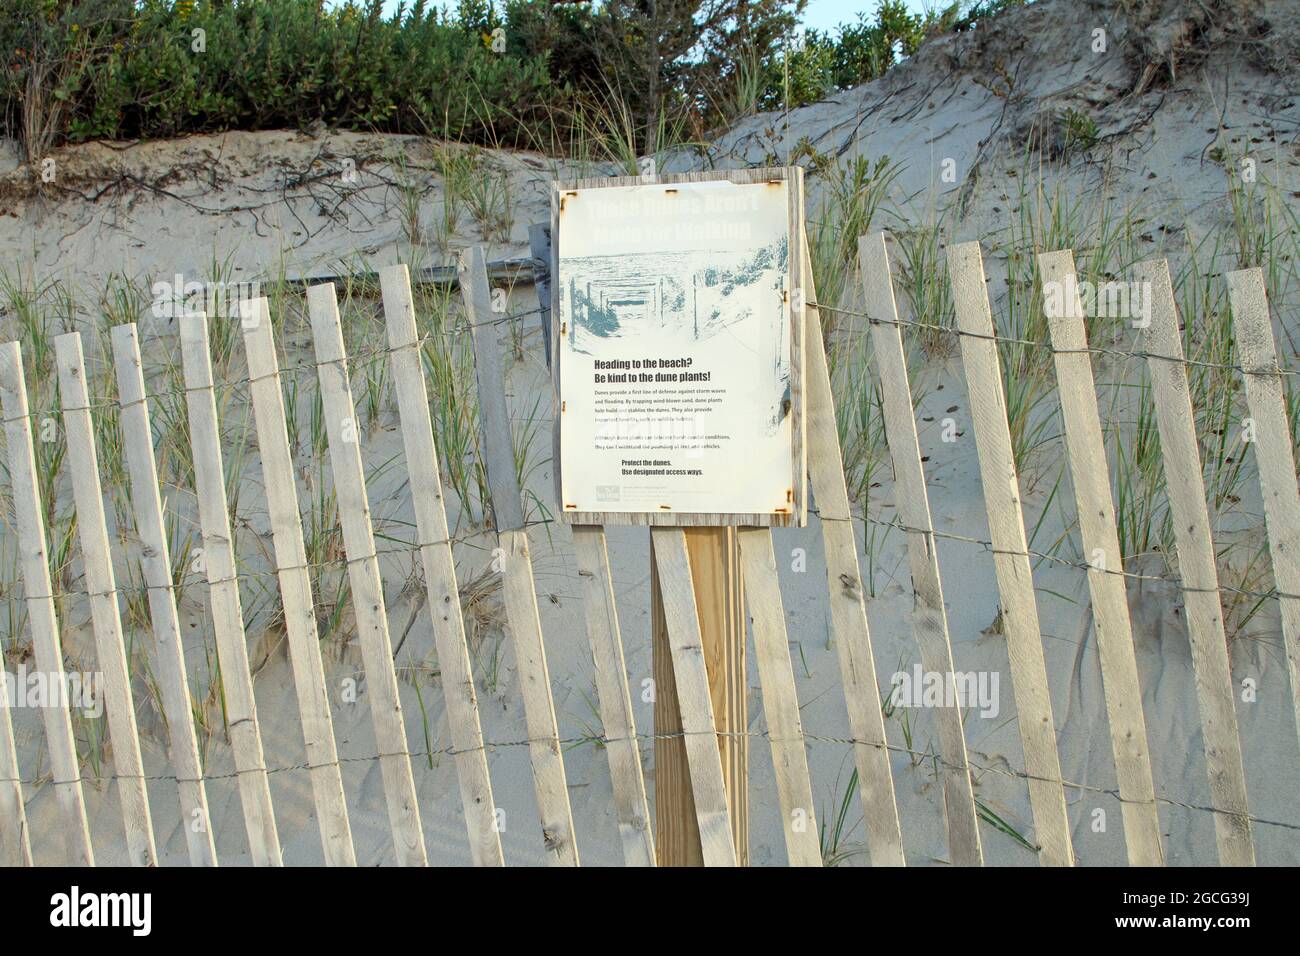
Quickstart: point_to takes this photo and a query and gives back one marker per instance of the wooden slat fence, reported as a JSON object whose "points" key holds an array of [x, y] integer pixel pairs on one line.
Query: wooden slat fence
{"points": [[787, 737], [1090, 478]]}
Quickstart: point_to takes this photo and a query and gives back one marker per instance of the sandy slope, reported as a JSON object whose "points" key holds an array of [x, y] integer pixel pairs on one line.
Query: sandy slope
{"points": [[277, 202]]}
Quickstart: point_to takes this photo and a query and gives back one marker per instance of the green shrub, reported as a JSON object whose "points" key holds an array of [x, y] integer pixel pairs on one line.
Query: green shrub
{"points": [[158, 69], [72, 70]]}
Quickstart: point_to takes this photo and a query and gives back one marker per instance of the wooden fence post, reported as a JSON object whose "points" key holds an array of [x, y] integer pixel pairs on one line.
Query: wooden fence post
{"points": [[1095, 507], [718, 595], [224, 605], [101, 590], [516, 564], [912, 502], [422, 467], [295, 584], [38, 594], [691, 783], [156, 569], [983, 369], [363, 575], [621, 744], [780, 698], [15, 847], [848, 601], [1274, 454], [1198, 569]]}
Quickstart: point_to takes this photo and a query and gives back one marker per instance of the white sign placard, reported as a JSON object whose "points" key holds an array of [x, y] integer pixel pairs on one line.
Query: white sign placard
{"points": [[678, 352]]}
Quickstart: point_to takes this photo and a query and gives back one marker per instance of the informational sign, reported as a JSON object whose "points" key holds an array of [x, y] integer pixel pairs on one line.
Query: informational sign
{"points": [[679, 328]]}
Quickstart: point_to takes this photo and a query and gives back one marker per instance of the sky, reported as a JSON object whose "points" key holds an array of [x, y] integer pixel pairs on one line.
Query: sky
{"points": [[826, 15], [821, 15]]}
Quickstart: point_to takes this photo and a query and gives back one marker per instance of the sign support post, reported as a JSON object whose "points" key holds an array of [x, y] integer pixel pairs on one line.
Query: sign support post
{"points": [[677, 357], [720, 599]]}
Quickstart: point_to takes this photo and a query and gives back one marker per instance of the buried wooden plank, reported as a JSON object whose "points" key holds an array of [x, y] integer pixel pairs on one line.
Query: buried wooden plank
{"points": [[223, 593], [690, 674], [439, 569], [363, 575], [1176, 422], [1274, 452], [1010, 554], [848, 601], [101, 591], [615, 700], [517, 569], [295, 584], [156, 569], [1090, 477], [912, 502], [780, 699], [39, 601]]}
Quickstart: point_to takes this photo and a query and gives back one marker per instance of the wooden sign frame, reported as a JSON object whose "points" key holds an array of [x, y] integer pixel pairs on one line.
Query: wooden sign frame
{"points": [[795, 515]]}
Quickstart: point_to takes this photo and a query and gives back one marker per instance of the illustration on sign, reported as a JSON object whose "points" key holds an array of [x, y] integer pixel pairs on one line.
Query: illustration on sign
{"points": [[677, 350]]}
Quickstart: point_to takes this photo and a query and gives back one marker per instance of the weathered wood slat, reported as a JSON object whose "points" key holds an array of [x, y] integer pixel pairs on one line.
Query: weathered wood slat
{"points": [[156, 569], [719, 589], [517, 571], [1197, 568], [848, 602], [15, 843], [780, 699], [39, 600], [539, 244], [539, 709], [1011, 557], [1090, 477], [363, 575], [295, 585], [912, 502], [615, 699], [439, 569], [699, 731], [498, 444], [15, 846], [223, 593], [101, 590], [1274, 452]]}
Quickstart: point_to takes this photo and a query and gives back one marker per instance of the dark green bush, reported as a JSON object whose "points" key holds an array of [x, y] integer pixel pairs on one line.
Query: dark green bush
{"points": [[159, 69], [72, 70]]}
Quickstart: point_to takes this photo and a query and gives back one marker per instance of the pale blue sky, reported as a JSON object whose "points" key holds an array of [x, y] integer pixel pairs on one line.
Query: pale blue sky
{"points": [[828, 14], [821, 14]]}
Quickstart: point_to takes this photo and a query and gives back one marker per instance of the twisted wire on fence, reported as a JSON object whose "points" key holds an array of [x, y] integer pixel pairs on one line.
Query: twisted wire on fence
{"points": [[1090, 350], [490, 745], [1049, 347], [9, 588], [355, 360]]}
